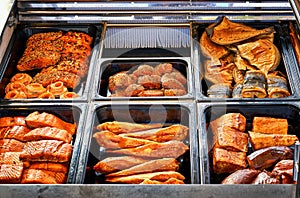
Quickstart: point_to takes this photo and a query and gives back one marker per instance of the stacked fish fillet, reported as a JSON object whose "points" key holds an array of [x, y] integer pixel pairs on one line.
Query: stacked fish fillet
{"points": [[141, 153], [35, 149], [269, 163], [242, 61]]}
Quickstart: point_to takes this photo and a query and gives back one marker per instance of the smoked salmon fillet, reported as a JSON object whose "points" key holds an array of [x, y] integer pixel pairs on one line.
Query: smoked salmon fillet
{"points": [[46, 150], [136, 179], [125, 127], [36, 120], [113, 164], [48, 133], [155, 150], [15, 132], [164, 164], [36, 176]]}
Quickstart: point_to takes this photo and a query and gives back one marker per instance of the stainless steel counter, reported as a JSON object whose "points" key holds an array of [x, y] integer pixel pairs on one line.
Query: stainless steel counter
{"points": [[145, 191]]}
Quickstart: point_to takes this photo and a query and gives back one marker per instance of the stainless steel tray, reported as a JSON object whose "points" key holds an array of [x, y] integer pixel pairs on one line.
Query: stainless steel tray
{"points": [[138, 113]]}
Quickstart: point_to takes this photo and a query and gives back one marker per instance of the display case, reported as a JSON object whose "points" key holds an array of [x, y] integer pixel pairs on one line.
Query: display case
{"points": [[147, 62]]}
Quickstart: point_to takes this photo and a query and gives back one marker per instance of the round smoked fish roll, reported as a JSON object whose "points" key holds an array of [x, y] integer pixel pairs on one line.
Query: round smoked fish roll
{"points": [[254, 85]]}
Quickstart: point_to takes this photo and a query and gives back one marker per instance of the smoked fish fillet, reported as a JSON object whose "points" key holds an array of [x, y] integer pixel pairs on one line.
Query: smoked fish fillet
{"points": [[136, 179], [11, 145], [50, 166], [36, 120], [227, 32], [10, 173], [261, 140], [36, 176], [270, 125], [46, 150], [15, 132], [12, 121], [155, 150], [262, 53], [125, 127], [158, 165], [173, 132], [11, 167], [113, 164], [212, 50], [48, 133], [110, 140], [169, 181]]}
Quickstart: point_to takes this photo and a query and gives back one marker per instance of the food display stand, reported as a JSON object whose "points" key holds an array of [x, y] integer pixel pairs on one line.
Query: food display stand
{"points": [[126, 35]]}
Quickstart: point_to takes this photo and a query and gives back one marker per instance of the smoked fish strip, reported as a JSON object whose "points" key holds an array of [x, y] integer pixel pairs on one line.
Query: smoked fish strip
{"points": [[155, 150], [158, 165]]}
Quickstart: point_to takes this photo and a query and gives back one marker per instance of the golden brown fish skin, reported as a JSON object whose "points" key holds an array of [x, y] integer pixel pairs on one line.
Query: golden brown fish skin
{"points": [[231, 139], [113, 164], [227, 32], [111, 140], [136, 179], [171, 149], [126, 127], [212, 50], [230, 120], [169, 181], [225, 161], [151, 93], [270, 125], [158, 165], [261, 53], [222, 73], [173, 132], [174, 92], [261, 140]]}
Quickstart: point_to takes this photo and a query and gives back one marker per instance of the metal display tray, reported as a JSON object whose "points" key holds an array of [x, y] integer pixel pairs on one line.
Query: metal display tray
{"points": [[74, 113], [17, 47], [211, 111], [108, 67], [287, 65], [170, 113]]}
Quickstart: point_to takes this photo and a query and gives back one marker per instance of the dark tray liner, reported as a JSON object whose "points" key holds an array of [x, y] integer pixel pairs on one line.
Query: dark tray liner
{"points": [[289, 112], [175, 114], [109, 68], [72, 114], [280, 39], [18, 45]]}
